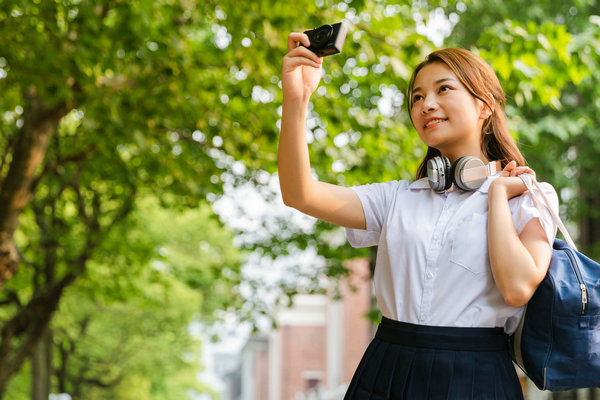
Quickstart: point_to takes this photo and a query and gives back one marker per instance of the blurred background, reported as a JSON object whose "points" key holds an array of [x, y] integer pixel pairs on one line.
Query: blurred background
{"points": [[145, 252]]}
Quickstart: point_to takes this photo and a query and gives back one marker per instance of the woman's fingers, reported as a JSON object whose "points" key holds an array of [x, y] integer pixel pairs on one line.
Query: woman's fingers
{"points": [[527, 171], [299, 55], [303, 51], [522, 170], [509, 168], [295, 38], [290, 63], [303, 56]]}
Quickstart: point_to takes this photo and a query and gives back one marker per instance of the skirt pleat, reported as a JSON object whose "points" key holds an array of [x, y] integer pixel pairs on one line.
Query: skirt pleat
{"points": [[461, 385], [408, 365], [374, 378], [357, 389], [402, 372], [483, 375], [442, 374], [386, 372], [420, 382]]}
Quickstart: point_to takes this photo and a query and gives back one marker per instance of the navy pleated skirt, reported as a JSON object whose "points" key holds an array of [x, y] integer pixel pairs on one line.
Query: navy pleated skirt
{"points": [[407, 361]]}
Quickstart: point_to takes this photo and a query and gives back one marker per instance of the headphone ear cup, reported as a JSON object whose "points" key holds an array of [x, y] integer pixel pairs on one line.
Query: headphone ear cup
{"points": [[439, 173], [467, 183], [455, 172], [448, 173]]}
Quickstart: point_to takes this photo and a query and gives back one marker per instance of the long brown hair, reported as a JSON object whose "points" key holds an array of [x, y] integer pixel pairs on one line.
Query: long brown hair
{"points": [[480, 80]]}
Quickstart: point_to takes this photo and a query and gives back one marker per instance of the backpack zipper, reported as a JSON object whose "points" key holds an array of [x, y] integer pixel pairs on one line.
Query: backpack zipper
{"points": [[584, 298], [582, 287], [544, 386]]}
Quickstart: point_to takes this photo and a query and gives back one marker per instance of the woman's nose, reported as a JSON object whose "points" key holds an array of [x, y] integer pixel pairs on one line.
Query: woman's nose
{"points": [[429, 105]]}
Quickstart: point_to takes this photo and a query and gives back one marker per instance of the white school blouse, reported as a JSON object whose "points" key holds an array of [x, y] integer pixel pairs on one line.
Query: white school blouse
{"points": [[433, 266]]}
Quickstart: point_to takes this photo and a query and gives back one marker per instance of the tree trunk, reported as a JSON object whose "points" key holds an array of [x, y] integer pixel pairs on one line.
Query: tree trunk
{"points": [[20, 334], [42, 367], [16, 190]]}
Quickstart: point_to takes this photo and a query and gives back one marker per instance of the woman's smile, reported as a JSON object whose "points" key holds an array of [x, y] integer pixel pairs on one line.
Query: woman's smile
{"points": [[433, 122]]}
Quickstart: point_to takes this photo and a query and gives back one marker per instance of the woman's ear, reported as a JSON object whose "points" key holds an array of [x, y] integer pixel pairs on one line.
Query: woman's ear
{"points": [[486, 112], [487, 107]]}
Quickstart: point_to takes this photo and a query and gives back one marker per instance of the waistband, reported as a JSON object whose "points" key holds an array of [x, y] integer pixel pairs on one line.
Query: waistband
{"points": [[442, 337]]}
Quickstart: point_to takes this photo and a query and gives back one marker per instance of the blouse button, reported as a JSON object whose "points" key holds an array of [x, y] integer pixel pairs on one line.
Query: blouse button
{"points": [[430, 275]]}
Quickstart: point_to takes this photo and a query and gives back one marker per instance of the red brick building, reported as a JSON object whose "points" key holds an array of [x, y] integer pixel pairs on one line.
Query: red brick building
{"points": [[316, 347]]}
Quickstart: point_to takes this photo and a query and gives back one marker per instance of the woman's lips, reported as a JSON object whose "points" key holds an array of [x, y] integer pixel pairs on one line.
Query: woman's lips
{"points": [[430, 123]]}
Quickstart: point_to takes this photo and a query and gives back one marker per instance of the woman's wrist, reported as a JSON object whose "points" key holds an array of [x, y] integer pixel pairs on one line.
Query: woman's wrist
{"points": [[507, 187], [497, 189], [295, 100]]}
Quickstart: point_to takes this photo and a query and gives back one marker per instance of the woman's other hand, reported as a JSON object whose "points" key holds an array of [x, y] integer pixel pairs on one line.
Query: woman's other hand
{"points": [[509, 180], [301, 69]]}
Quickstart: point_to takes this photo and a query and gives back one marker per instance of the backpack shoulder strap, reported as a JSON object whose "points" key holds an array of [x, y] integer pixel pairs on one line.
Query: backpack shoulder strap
{"points": [[530, 182]]}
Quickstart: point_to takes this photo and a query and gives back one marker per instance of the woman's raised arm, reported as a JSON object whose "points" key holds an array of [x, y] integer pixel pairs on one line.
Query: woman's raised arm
{"points": [[300, 76]]}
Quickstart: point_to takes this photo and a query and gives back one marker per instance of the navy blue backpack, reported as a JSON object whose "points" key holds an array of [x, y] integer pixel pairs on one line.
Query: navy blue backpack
{"points": [[557, 343]]}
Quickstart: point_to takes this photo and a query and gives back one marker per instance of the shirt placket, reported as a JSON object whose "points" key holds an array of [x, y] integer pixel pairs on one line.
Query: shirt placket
{"points": [[431, 269]]}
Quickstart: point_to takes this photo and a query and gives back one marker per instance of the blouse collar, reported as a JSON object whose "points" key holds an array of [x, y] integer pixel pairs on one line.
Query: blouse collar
{"points": [[424, 184]]}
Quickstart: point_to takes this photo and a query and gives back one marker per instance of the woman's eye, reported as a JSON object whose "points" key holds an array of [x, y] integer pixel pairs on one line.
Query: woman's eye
{"points": [[417, 97], [445, 88]]}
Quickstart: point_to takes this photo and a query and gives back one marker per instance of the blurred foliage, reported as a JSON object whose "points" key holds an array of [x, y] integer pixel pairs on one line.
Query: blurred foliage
{"points": [[135, 141], [126, 319]]}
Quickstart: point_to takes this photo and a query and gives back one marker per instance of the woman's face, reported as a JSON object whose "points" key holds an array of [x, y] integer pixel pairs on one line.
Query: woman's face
{"points": [[445, 114]]}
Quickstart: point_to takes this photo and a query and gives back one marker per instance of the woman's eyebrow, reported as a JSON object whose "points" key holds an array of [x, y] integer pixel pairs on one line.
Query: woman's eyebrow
{"points": [[435, 83]]}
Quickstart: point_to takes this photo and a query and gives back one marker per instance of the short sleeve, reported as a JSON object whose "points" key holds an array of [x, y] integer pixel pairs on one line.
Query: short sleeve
{"points": [[376, 199], [523, 210]]}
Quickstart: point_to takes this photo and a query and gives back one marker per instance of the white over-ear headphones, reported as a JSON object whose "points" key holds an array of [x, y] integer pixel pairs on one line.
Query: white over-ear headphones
{"points": [[468, 173]]}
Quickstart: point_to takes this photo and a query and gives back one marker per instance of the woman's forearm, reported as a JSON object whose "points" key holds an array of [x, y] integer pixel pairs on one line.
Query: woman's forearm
{"points": [[514, 268], [295, 176]]}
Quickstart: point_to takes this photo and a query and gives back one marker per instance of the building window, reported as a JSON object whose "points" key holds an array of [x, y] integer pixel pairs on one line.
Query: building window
{"points": [[312, 383]]}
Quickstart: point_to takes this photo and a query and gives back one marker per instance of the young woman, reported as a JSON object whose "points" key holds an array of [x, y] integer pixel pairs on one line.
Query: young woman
{"points": [[458, 257]]}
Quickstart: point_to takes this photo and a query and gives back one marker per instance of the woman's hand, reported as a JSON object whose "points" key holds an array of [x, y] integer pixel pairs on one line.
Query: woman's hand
{"points": [[509, 180], [301, 69]]}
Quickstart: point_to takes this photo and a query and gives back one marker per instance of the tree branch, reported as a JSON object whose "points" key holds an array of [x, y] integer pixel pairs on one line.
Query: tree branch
{"points": [[52, 166], [11, 298]]}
